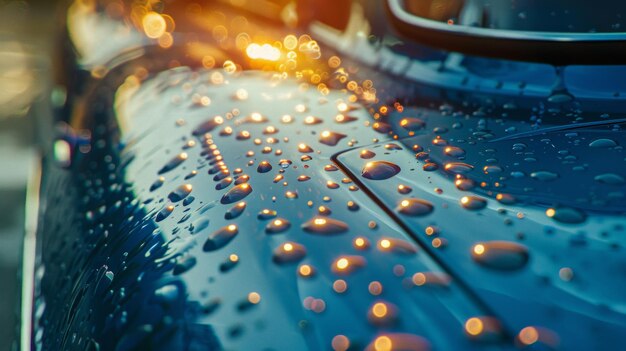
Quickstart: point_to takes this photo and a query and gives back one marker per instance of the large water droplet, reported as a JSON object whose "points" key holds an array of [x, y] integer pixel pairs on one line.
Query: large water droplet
{"points": [[174, 162], [289, 252], [566, 215], [473, 202], [330, 138], [504, 255], [325, 226], [220, 238], [380, 170], [603, 143], [414, 207], [278, 225], [237, 193]]}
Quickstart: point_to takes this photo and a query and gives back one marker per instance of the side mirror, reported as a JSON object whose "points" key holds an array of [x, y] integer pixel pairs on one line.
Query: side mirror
{"points": [[441, 23]]}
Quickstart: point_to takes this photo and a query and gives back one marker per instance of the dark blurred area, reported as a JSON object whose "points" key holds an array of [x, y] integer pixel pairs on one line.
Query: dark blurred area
{"points": [[26, 38]]}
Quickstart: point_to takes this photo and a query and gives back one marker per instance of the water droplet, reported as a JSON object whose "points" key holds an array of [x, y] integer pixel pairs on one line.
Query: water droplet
{"points": [[504, 255], [174, 162], [183, 264], [609, 178], [454, 151], [266, 214], [264, 167], [396, 246], [330, 138], [284, 163], [367, 154], [458, 167], [430, 167], [304, 148], [325, 226], [180, 193], [412, 124], [278, 225], [347, 264], [220, 238], [289, 252], [208, 126], [415, 207], [235, 211], [379, 170], [566, 215], [473, 202], [544, 176], [603, 143], [237, 193]]}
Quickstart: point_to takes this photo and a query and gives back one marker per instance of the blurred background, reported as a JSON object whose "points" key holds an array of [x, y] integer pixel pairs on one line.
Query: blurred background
{"points": [[26, 38]]}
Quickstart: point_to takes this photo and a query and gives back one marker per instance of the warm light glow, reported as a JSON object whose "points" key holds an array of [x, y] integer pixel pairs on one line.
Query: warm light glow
{"points": [[383, 343], [479, 249], [550, 212], [529, 335], [379, 310], [232, 227], [359, 242], [465, 200], [419, 279], [288, 247], [305, 270], [474, 326], [385, 243], [254, 298], [319, 221], [153, 25], [405, 203], [278, 222], [325, 134], [233, 258], [342, 263]]}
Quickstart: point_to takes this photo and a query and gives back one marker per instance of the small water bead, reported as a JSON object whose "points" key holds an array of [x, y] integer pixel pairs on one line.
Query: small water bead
{"points": [[341, 118], [603, 143], [180, 193], [306, 271], [330, 168], [361, 243], [415, 207], [264, 167], [501, 255], [235, 211], [340, 343], [430, 167], [458, 167], [230, 263], [483, 328], [404, 189], [438, 141], [224, 183], [382, 127], [312, 120], [208, 126], [506, 199], [340, 286], [412, 124], [396, 246], [353, 206], [367, 154], [544, 176], [380, 170], [289, 252], [330, 138], [183, 264], [237, 193], [609, 178], [398, 342], [220, 238], [305, 158], [284, 163], [392, 146], [347, 264], [566, 215], [464, 184], [315, 305], [277, 225], [454, 151], [243, 135], [174, 162], [303, 178], [278, 178], [266, 214], [304, 148], [324, 226], [157, 183], [269, 130], [473, 202], [244, 178], [324, 211], [292, 195], [382, 313], [332, 185], [439, 279]]}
